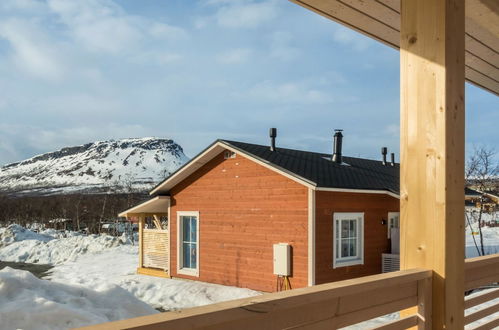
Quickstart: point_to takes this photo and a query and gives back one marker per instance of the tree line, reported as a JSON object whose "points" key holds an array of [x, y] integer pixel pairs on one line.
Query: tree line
{"points": [[84, 211]]}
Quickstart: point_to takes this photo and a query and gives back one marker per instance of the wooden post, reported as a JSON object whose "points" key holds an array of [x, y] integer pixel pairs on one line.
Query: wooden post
{"points": [[432, 150], [157, 221], [424, 304], [142, 220]]}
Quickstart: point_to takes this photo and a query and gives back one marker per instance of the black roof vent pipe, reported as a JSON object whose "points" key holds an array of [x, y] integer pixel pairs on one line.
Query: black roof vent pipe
{"points": [[392, 163], [384, 151], [273, 135], [338, 140]]}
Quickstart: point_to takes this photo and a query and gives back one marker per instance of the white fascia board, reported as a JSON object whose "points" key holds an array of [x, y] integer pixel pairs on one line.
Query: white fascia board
{"points": [[192, 166], [209, 154], [151, 206], [359, 191]]}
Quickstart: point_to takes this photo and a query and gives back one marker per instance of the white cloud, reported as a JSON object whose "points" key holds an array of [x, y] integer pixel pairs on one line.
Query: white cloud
{"points": [[156, 58], [244, 14], [21, 5], [40, 140], [280, 46], [82, 103], [351, 38], [102, 26], [289, 93], [32, 51], [235, 56], [167, 32]]}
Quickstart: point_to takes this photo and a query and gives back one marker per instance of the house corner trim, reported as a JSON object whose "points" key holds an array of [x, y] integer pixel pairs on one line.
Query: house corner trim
{"points": [[311, 237]]}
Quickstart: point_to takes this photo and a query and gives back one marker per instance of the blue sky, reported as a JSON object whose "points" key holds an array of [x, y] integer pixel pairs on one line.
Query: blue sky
{"points": [[73, 72]]}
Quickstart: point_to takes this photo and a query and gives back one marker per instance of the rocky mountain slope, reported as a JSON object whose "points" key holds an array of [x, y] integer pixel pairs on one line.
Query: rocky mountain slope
{"points": [[114, 165]]}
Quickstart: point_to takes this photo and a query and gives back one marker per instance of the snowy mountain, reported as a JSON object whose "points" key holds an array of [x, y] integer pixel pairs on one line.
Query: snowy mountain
{"points": [[117, 165]]}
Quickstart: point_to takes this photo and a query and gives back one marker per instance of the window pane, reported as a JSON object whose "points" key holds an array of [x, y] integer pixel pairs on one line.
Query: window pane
{"points": [[185, 228], [193, 232], [193, 256], [186, 255], [353, 248], [353, 228], [345, 248], [189, 241], [344, 229]]}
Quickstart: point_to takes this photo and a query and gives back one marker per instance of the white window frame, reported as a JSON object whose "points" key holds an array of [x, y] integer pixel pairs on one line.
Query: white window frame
{"points": [[389, 222], [180, 250], [349, 261]]}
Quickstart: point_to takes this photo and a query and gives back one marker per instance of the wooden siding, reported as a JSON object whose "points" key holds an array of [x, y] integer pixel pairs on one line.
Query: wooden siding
{"points": [[244, 209], [375, 208]]}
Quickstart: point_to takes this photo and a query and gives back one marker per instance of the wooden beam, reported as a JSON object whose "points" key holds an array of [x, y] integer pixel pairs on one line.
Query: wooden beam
{"points": [[432, 150], [157, 221], [153, 272], [325, 306], [481, 271], [380, 20], [481, 298], [142, 219]]}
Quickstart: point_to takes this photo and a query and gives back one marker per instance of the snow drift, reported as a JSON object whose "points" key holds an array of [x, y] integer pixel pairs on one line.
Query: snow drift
{"points": [[15, 233], [56, 251], [27, 302]]}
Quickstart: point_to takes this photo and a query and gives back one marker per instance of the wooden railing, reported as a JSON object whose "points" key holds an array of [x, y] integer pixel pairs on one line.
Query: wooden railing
{"points": [[480, 272], [325, 306]]}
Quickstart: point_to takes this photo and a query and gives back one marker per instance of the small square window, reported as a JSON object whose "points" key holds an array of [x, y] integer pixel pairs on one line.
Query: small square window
{"points": [[348, 239], [229, 154]]}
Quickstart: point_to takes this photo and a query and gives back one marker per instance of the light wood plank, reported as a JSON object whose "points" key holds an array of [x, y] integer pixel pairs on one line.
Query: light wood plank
{"points": [[393, 4], [310, 307], [424, 306], [480, 80], [432, 150], [376, 11], [378, 20], [481, 271], [354, 19], [152, 272], [481, 314], [490, 325], [485, 68], [141, 238], [481, 298], [403, 323]]}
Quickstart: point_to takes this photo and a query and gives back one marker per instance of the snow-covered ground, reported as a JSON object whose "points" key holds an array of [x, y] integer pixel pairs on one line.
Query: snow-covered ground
{"points": [[27, 302], [490, 239], [94, 280]]}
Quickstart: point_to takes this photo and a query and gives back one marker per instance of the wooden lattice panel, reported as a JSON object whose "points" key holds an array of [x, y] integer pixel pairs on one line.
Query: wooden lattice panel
{"points": [[155, 245]]}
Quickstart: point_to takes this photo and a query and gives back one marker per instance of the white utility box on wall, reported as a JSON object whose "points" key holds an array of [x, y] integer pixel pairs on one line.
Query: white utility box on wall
{"points": [[282, 259]]}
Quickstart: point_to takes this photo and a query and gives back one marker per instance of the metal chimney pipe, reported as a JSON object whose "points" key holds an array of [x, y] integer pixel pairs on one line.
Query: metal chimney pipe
{"points": [[384, 151], [392, 155], [338, 141], [273, 135]]}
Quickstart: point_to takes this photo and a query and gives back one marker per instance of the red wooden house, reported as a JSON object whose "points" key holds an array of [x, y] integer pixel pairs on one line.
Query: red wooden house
{"points": [[233, 202]]}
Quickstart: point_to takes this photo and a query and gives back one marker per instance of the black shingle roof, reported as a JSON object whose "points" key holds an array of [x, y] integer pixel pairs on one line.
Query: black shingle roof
{"points": [[354, 173]]}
